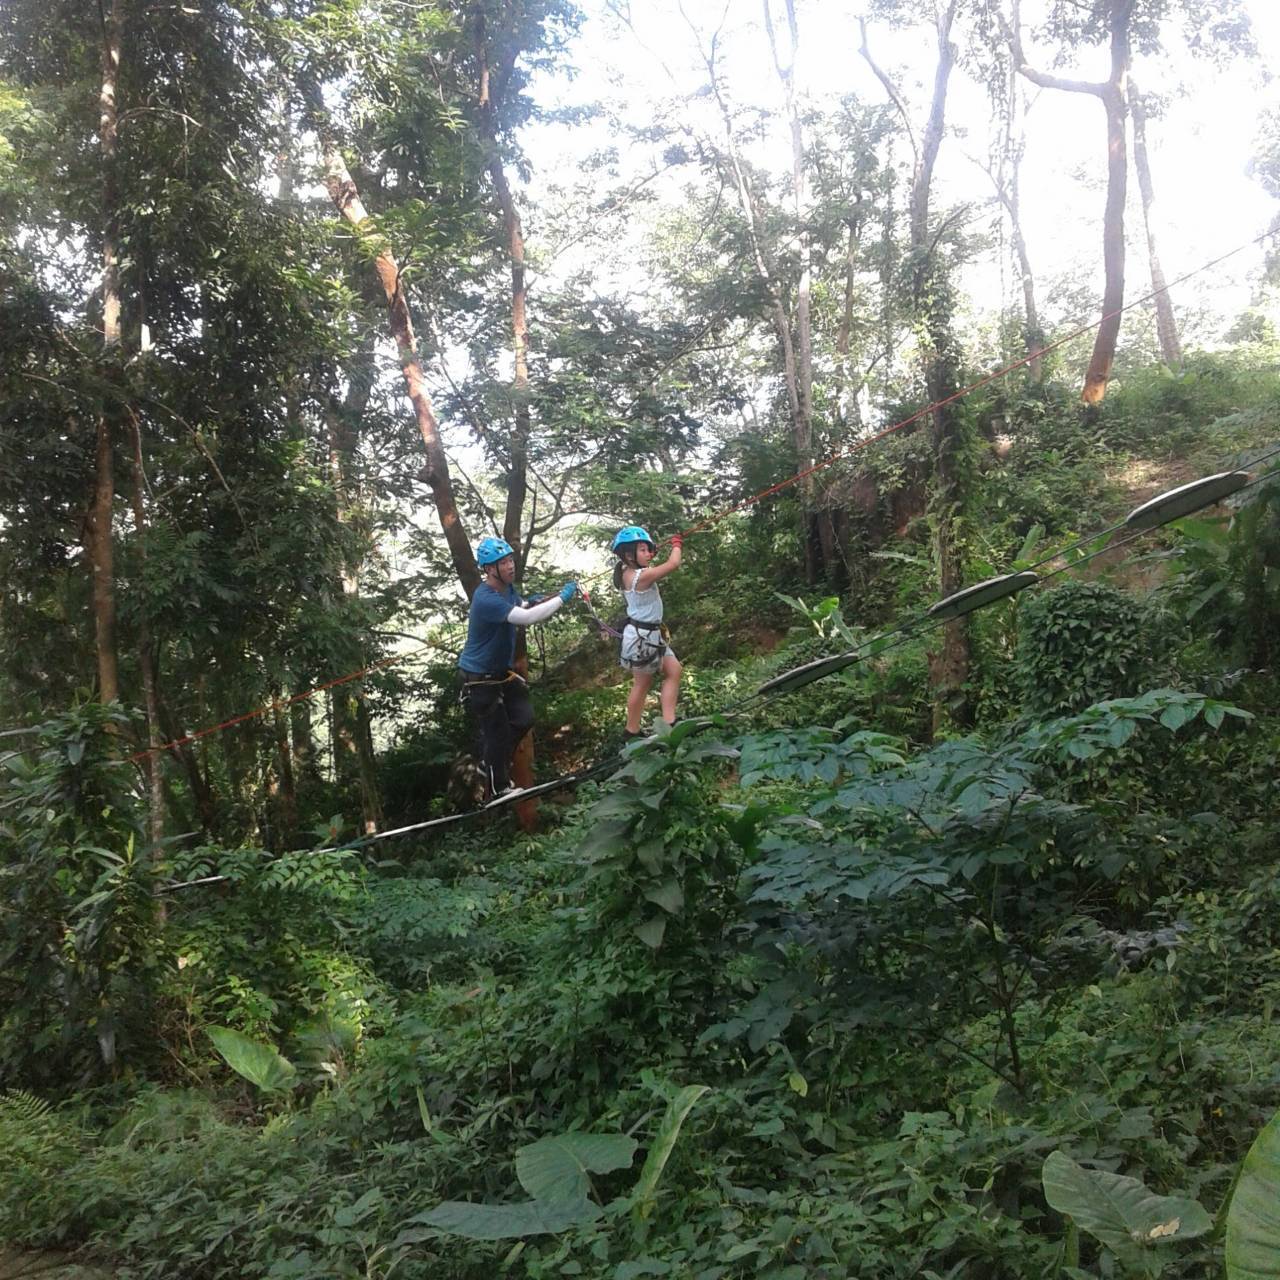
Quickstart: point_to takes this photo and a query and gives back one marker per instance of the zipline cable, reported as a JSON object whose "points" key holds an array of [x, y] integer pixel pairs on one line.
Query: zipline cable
{"points": [[712, 520], [914, 627]]}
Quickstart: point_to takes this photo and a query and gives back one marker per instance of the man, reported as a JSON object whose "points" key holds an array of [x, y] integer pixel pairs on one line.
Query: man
{"points": [[496, 696]]}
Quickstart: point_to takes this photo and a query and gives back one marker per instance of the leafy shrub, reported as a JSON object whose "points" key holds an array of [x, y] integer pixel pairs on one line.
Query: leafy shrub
{"points": [[40, 1146], [79, 965], [1154, 409], [1227, 583], [1083, 642]]}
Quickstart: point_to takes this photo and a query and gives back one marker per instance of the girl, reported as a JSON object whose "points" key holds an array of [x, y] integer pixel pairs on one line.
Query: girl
{"points": [[645, 650]]}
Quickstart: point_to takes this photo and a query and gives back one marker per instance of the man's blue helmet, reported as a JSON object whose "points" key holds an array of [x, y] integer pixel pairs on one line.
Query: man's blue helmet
{"points": [[632, 533], [491, 550]]}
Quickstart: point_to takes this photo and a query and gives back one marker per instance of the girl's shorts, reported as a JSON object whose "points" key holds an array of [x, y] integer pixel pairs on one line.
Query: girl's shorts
{"points": [[643, 650]]}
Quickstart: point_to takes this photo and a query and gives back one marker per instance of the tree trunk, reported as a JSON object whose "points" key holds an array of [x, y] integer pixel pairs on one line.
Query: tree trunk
{"points": [[97, 534], [201, 792], [801, 430], [950, 671], [346, 198], [802, 361], [1009, 194], [353, 735], [513, 531], [1112, 95], [1103, 357], [932, 304], [1033, 333], [518, 439], [850, 417], [287, 793], [302, 743], [1166, 326], [146, 659]]}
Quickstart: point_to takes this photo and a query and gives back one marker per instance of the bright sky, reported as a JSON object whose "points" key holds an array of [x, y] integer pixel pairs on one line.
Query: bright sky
{"points": [[1206, 203]]}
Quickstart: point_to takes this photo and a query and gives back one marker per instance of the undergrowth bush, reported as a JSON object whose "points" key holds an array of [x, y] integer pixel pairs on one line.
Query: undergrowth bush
{"points": [[1082, 642]]}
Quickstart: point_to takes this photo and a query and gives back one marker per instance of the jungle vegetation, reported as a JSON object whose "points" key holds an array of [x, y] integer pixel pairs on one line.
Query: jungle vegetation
{"points": [[963, 961]]}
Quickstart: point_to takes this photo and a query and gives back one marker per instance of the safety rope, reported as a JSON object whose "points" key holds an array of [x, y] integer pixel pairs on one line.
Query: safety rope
{"points": [[716, 518], [912, 628]]}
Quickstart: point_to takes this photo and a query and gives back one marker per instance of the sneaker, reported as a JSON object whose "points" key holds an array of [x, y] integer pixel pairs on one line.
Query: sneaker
{"points": [[503, 796]]}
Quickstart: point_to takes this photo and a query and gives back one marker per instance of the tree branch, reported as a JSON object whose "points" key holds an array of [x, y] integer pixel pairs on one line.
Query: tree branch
{"points": [[865, 50]]}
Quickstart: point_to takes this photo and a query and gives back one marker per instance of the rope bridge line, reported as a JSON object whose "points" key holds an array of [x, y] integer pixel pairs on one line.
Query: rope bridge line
{"points": [[710, 521], [1144, 519]]}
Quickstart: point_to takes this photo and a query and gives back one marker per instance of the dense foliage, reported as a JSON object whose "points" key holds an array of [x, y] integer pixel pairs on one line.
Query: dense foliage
{"points": [[961, 961]]}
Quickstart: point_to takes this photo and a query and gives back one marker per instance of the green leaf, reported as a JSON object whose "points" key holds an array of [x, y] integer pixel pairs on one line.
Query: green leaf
{"points": [[554, 1170], [1034, 534], [505, 1221], [1253, 1221], [663, 1144], [1121, 1212], [258, 1063], [651, 932], [682, 730], [668, 896], [1175, 716]]}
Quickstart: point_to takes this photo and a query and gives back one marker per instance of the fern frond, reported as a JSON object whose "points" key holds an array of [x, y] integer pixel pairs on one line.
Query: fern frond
{"points": [[20, 1107]]}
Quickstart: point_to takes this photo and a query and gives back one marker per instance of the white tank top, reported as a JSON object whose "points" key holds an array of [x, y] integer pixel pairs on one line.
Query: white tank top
{"points": [[643, 606]]}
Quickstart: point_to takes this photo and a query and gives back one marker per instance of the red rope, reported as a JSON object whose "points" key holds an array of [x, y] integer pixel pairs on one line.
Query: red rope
{"points": [[275, 706], [712, 520]]}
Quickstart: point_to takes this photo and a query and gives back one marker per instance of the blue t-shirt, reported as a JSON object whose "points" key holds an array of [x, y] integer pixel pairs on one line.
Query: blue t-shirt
{"points": [[491, 639]]}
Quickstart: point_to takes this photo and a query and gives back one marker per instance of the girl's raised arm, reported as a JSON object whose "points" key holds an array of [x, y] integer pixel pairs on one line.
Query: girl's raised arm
{"points": [[651, 573]]}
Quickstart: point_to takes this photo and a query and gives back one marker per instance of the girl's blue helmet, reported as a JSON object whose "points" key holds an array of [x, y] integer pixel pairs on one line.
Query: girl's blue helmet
{"points": [[491, 550], [632, 533]]}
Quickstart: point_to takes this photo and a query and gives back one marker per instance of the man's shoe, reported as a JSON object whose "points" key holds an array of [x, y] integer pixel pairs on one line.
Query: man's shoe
{"points": [[502, 797]]}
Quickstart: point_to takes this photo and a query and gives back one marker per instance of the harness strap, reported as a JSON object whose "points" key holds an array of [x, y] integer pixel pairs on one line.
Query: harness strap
{"points": [[490, 677]]}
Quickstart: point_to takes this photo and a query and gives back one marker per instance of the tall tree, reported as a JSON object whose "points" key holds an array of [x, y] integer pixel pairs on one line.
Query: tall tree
{"points": [[346, 199], [932, 302], [1111, 92], [802, 307], [1166, 325], [772, 278], [98, 538]]}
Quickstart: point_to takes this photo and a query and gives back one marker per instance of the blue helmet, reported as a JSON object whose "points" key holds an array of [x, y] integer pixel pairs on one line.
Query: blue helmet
{"points": [[632, 533], [491, 550]]}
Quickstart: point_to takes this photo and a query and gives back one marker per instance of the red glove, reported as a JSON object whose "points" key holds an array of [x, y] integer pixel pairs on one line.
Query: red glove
{"points": [[677, 539]]}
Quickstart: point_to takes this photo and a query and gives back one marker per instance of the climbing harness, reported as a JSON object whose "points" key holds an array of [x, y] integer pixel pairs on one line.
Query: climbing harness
{"points": [[470, 680], [645, 651]]}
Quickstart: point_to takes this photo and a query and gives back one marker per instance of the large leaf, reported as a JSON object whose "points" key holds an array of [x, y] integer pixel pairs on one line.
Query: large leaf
{"points": [[554, 1170], [1125, 1215], [663, 1144], [651, 932], [258, 1063], [504, 1221], [1253, 1221], [668, 895]]}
